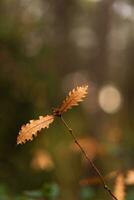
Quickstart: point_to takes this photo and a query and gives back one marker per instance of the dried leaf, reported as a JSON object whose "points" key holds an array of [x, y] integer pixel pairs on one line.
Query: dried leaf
{"points": [[75, 96], [31, 129], [119, 190]]}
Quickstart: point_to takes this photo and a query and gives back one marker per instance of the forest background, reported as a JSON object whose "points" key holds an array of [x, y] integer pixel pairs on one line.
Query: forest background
{"points": [[47, 48]]}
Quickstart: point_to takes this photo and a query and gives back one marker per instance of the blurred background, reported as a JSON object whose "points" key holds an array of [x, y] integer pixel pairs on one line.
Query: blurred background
{"points": [[48, 47]]}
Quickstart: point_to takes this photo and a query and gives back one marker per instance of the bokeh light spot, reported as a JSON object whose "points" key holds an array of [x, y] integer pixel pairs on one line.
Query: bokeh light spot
{"points": [[110, 99], [123, 9]]}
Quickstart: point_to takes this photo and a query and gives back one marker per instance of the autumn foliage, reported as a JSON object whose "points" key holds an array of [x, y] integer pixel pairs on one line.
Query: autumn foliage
{"points": [[32, 128]]}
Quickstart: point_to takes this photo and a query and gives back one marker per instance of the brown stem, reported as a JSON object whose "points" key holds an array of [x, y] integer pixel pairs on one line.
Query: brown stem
{"points": [[89, 160]]}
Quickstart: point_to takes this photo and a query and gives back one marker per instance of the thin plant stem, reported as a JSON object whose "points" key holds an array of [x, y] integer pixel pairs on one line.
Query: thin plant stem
{"points": [[88, 159]]}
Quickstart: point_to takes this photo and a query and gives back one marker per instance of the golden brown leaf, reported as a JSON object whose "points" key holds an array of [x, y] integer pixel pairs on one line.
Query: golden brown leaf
{"points": [[75, 96], [31, 129], [119, 190]]}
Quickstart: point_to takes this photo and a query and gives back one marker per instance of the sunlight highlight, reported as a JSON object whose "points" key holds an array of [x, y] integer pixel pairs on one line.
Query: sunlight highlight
{"points": [[110, 99]]}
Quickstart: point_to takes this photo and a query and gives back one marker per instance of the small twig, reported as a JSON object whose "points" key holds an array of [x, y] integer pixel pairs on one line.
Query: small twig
{"points": [[88, 159]]}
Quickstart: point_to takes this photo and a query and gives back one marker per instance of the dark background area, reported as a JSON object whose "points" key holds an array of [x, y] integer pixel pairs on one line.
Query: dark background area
{"points": [[47, 48]]}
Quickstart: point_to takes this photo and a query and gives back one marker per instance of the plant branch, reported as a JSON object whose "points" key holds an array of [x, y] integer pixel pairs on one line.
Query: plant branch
{"points": [[88, 159]]}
